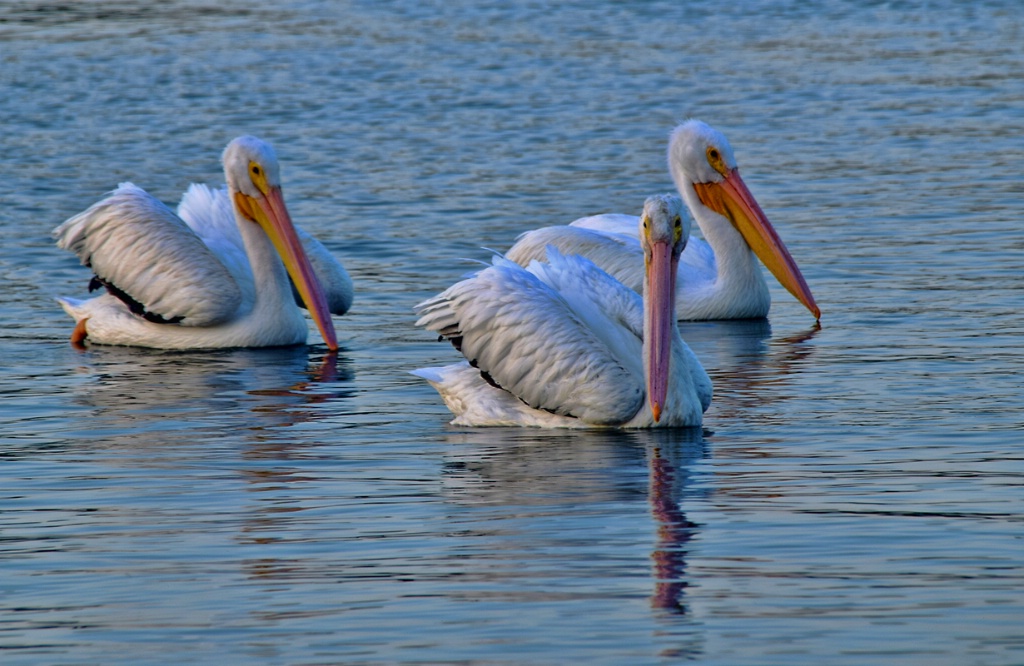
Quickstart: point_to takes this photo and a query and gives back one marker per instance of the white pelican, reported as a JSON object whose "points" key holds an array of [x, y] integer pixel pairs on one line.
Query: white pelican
{"points": [[719, 278], [213, 277], [563, 344]]}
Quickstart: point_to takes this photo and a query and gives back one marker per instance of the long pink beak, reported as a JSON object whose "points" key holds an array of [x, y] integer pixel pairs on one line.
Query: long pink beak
{"points": [[272, 215], [732, 199], [660, 319]]}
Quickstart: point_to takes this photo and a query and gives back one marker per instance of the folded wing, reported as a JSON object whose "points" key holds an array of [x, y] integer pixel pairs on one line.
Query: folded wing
{"points": [[540, 334], [150, 258]]}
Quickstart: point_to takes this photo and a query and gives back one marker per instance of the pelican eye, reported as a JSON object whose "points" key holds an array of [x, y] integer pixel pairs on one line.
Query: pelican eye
{"points": [[258, 177], [716, 160]]}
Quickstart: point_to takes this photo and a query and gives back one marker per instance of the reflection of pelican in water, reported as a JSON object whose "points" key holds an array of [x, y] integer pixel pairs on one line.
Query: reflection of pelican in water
{"points": [[748, 367], [225, 415], [135, 389], [565, 472], [669, 465], [515, 466]]}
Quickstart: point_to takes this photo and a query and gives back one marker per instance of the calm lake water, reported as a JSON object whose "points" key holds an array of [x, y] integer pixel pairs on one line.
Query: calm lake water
{"points": [[857, 493]]}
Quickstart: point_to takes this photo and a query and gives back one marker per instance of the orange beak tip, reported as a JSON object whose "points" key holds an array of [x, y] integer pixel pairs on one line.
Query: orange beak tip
{"points": [[656, 410]]}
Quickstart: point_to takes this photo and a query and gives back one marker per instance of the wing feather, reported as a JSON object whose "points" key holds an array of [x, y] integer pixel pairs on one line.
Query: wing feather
{"points": [[210, 214], [590, 291], [138, 245], [525, 335], [610, 223], [618, 254]]}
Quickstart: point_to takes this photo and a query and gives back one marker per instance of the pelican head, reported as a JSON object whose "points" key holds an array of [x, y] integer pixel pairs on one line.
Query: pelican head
{"points": [[243, 154], [254, 183], [702, 162], [698, 153], [663, 235]]}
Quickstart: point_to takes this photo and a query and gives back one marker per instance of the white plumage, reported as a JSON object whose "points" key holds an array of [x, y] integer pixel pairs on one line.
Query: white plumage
{"points": [[563, 344], [215, 275], [208, 212], [719, 278]]}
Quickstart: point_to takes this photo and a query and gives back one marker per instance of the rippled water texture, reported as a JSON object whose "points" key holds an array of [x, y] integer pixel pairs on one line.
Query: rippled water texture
{"points": [[855, 497]]}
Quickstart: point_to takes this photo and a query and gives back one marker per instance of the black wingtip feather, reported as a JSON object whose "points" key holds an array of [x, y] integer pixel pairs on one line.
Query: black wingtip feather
{"points": [[136, 308]]}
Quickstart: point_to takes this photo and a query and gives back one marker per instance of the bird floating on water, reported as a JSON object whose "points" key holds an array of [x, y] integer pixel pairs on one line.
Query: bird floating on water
{"points": [[564, 344], [719, 278], [214, 275]]}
